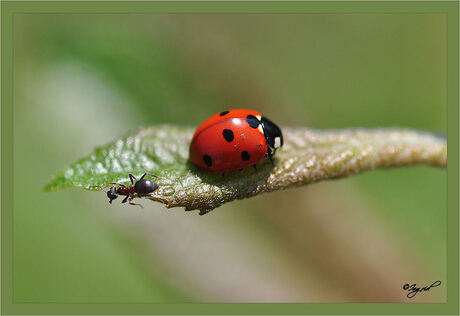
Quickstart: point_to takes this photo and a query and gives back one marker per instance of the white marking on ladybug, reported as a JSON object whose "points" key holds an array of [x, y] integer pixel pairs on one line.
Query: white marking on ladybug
{"points": [[260, 128], [277, 142], [236, 121], [259, 117]]}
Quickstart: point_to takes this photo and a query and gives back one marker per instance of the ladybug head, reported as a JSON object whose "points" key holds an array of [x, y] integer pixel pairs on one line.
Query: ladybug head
{"points": [[272, 133]]}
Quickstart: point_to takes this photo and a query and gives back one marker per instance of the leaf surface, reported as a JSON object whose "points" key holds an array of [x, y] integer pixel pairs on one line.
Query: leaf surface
{"points": [[307, 156]]}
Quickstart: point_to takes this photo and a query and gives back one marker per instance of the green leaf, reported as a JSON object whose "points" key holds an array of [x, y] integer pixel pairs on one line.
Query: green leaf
{"points": [[307, 156]]}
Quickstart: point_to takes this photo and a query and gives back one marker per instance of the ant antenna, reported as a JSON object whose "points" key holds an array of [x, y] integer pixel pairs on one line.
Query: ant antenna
{"points": [[98, 186]]}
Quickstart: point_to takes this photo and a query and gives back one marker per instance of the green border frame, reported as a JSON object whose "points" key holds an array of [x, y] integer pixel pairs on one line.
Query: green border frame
{"points": [[450, 8]]}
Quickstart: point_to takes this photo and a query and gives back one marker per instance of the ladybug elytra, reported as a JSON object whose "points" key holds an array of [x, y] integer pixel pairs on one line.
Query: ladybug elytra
{"points": [[233, 140]]}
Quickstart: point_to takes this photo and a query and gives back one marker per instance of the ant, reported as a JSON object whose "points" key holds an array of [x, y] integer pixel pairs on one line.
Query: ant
{"points": [[140, 188]]}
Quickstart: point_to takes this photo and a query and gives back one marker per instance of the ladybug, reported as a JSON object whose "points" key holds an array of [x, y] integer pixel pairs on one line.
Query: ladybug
{"points": [[233, 140]]}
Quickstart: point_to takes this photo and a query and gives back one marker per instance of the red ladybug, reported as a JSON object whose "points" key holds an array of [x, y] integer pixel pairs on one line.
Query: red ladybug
{"points": [[233, 140]]}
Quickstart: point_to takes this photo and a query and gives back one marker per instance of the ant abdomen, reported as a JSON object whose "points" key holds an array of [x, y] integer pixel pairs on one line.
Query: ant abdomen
{"points": [[145, 187]]}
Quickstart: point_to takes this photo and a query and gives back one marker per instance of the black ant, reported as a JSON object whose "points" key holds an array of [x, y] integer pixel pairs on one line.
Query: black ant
{"points": [[140, 188]]}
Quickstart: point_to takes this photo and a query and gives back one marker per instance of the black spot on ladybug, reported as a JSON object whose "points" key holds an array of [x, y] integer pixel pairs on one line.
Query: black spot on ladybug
{"points": [[207, 160], [252, 121], [245, 155], [223, 113], [228, 135]]}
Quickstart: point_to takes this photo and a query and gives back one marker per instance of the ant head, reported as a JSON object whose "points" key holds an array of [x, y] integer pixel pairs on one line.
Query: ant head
{"points": [[112, 194]]}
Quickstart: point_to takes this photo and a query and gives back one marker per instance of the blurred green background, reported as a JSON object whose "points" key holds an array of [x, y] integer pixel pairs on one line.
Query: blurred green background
{"points": [[83, 80]]}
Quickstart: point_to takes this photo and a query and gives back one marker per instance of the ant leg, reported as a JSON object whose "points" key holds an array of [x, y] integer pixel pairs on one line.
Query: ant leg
{"points": [[132, 178], [131, 203], [148, 197], [152, 175], [120, 184], [111, 183], [135, 204], [148, 174], [125, 199]]}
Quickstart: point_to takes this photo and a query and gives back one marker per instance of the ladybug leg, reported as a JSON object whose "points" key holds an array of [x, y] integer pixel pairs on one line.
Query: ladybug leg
{"points": [[270, 154], [223, 174], [255, 167]]}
